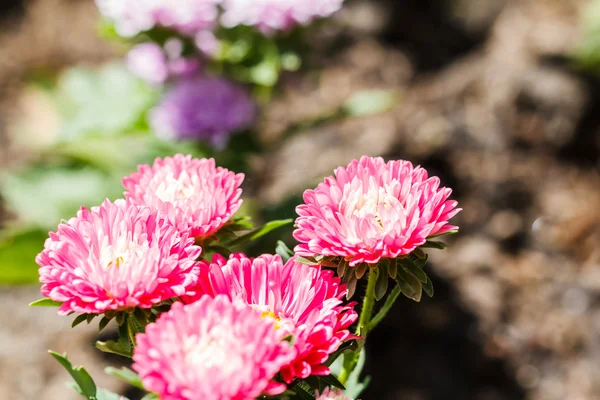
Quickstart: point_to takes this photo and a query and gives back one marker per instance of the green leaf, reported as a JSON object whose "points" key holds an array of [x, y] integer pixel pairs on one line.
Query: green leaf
{"points": [[411, 286], [82, 378], [284, 252], [42, 196], [17, 256], [125, 374], [381, 284], [268, 227], [106, 101], [151, 396], [113, 347], [104, 394], [354, 387], [428, 287], [45, 302], [123, 346]]}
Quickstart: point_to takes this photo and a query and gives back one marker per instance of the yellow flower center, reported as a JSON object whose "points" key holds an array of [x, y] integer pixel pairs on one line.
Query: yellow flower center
{"points": [[271, 314], [117, 263]]}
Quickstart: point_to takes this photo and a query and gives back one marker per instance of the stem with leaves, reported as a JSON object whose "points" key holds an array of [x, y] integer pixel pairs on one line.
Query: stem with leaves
{"points": [[351, 358]]}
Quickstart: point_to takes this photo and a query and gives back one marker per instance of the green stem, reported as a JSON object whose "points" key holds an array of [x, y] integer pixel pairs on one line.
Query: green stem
{"points": [[389, 302], [351, 358], [367, 309]]}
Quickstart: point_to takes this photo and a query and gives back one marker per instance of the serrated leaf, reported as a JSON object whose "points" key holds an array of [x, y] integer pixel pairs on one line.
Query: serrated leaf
{"points": [[268, 227], [82, 378], [79, 319], [125, 374], [284, 252], [410, 285], [381, 284], [428, 287], [45, 302]]}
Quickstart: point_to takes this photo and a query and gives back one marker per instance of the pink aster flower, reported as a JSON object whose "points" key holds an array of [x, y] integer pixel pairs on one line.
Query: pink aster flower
{"points": [[114, 257], [192, 193], [333, 394], [274, 15], [371, 210], [212, 349], [304, 301]]}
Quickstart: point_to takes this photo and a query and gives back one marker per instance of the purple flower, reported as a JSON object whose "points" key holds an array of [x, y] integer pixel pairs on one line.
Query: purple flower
{"points": [[205, 108]]}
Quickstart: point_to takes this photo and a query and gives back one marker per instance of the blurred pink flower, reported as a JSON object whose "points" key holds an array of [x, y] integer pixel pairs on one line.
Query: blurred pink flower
{"points": [[333, 394], [303, 301], [114, 257], [155, 65], [185, 16], [275, 15], [211, 349], [193, 194], [371, 210]]}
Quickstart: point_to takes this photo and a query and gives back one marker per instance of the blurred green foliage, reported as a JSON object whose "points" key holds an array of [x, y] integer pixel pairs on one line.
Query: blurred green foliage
{"points": [[103, 137], [587, 54]]}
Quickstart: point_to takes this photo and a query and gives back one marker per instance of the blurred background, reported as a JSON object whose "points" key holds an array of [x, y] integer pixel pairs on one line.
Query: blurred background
{"points": [[500, 98]]}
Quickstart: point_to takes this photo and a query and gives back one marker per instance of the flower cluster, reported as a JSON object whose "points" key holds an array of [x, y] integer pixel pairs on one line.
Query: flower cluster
{"points": [[192, 17], [235, 327], [372, 210]]}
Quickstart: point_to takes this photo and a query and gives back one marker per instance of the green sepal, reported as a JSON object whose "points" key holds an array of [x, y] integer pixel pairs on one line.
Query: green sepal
{"points": [[45, 302], [434, 245], [306, 261], [103, 322], [82, 378], [79, 319], [381, 284], [428, 287], [414, 267]]}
